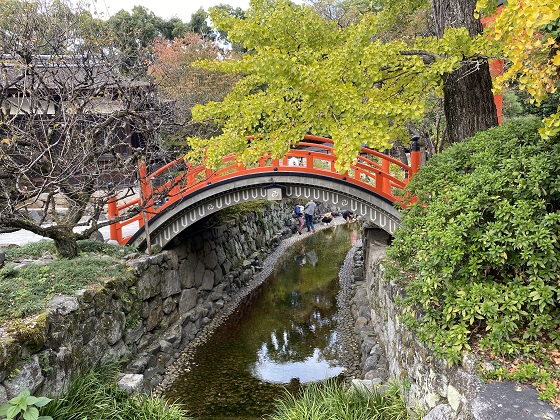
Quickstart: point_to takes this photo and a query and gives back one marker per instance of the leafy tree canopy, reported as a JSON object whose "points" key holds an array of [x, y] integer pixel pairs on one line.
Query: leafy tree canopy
{"points": [[186, 85], [527, 35], [199, 25], [306, 74]]}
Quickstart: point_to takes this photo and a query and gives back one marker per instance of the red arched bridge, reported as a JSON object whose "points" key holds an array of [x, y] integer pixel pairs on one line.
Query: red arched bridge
{"points": [[186, 193]]}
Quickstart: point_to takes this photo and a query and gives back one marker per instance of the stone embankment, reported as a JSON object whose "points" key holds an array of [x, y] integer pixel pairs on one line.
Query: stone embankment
{"points": [[147, 317], [429, 384]]}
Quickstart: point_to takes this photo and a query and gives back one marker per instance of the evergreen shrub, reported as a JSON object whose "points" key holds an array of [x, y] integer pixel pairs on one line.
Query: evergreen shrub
{"points": [[478, 250]]}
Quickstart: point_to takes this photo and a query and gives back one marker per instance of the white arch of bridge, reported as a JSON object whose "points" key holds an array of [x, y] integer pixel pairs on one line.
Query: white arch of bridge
{"points": [[344, 195]]}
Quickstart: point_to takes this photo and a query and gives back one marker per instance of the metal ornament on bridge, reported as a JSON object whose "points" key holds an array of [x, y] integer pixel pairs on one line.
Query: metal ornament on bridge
{"points": [[274, 194]]}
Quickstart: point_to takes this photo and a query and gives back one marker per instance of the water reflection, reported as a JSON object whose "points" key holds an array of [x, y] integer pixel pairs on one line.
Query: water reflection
{"points": [[306, 257], [313, 368], [283, 338]]}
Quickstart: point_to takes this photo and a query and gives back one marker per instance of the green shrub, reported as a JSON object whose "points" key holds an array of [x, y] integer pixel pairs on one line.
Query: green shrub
{"points": [[46, 248], [95, 396], [30, 250], [479, 251], [330, 400]]}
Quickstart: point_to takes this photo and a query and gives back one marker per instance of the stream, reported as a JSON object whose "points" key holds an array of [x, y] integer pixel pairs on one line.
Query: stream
{"points": [[282, 337]]}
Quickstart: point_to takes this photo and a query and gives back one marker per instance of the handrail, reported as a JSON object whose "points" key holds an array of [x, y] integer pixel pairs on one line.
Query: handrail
{"points": [[371, 170]]}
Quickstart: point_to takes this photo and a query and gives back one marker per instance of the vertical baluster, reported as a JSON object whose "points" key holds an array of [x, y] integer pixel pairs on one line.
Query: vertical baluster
{"points": [[386, 168], [115, 229], [415, 155]]}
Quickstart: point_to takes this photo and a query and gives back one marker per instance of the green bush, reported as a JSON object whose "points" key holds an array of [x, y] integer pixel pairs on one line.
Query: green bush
{"points": [[479, 250], [95, 396]]}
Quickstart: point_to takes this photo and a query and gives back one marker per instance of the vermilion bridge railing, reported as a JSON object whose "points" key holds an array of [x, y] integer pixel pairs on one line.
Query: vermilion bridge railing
{"points": [[371, 170]]}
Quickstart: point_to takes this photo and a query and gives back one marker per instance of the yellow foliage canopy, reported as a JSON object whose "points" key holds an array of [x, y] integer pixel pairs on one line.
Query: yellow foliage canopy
{"points": [[527, 33]]}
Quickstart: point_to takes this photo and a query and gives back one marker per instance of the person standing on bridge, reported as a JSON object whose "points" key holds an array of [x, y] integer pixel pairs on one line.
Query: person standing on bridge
{"points": [[298, 212], [309, 211]]}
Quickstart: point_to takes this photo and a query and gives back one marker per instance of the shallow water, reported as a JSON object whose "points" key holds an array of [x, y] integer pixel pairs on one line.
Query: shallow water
{"points": [[282, 337]]}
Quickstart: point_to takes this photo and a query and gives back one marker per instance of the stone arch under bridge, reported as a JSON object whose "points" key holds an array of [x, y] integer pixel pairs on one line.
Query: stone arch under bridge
{"points": [[344, 195]]}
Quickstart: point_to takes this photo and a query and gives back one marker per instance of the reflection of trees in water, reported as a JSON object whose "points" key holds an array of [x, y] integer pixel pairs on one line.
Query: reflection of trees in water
{"points": [[298, 340], [291, 316]]}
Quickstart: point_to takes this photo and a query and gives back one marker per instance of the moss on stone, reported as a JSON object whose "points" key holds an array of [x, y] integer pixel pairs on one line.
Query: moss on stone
{"points": [[30, 334], [9, 353]]}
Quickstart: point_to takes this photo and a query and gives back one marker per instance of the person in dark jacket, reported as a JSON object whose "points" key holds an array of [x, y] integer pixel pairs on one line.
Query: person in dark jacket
{"points": [[348, 216]]}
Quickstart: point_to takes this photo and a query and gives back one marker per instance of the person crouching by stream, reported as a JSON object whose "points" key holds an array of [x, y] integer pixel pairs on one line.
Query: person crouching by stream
{"points": [[309, 211], [348, 216], [327, 218], [298, 212]]}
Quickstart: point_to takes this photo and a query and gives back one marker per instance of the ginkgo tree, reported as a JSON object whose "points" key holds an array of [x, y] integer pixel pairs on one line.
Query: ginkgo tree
{"points": [[305, 74], [527, 35]]}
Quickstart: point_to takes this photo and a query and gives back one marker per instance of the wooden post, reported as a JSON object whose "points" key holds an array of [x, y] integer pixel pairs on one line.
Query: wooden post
{"points": [[386, 169], [415, 155], [145, 192], [115, 233]]}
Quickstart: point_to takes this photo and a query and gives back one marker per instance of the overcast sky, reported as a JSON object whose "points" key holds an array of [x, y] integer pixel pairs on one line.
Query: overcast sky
{"points": [[166, 9]]}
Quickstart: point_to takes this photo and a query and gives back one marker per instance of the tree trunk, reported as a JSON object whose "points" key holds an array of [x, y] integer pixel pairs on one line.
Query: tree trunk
{"points": [[65, 243], [399, 152], [468, 101]]}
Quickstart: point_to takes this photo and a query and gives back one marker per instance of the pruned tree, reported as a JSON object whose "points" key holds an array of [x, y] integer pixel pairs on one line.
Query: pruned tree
{"points": [[71, 125]]}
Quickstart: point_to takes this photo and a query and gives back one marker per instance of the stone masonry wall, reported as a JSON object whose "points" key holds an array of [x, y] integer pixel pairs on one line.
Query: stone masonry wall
{"points": [[431, 382], [146, 317]]}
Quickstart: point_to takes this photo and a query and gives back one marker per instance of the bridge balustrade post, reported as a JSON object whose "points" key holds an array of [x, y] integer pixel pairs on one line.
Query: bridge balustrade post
{"points": [[190, 179], [146, 199], [309, 161], [415, 155], [386, 169], [115, 229]]}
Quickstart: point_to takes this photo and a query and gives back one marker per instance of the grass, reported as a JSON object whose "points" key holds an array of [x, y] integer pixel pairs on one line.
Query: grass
{"points": [[27, 291], [331, 400], [95, 396]]}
